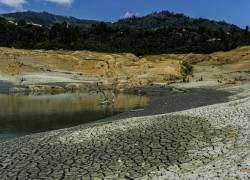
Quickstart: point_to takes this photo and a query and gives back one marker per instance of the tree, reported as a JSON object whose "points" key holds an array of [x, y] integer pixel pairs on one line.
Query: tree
{"points": [[247, 29], [196, 37], [21, 23]]}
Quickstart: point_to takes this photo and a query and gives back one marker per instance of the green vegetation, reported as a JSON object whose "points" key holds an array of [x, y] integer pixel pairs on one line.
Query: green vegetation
{"points": [[166, 19], [47, 19], [144, 35]]}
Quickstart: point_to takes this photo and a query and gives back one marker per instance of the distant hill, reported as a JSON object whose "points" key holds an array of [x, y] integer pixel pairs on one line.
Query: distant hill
{"points": [[47, 19], [166, 19], [156, 20], [156, 33]]}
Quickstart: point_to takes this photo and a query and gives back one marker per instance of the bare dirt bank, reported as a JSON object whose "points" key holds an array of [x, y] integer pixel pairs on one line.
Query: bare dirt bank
{"points": [[29, 67]]}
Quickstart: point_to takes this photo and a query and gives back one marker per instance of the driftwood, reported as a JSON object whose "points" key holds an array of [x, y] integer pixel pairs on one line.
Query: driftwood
{"points": [[107, 100]]}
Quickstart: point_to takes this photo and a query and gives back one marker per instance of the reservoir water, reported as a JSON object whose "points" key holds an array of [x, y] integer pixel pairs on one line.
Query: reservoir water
{"points": [[26, 114]]}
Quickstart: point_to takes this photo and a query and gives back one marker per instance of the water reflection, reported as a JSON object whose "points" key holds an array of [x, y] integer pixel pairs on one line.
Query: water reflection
{"points": [[21, 115]]}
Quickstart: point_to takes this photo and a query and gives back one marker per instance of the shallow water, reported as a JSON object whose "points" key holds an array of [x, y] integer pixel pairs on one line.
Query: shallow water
{"points": [[5, 86], [26, 114]]}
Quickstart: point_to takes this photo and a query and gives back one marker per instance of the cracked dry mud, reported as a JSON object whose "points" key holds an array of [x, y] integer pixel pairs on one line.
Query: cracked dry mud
{"points": [[202, 143]]}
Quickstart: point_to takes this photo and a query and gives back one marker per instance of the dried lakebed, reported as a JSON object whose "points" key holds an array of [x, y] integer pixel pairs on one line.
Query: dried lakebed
{"points": [[211, 142]]}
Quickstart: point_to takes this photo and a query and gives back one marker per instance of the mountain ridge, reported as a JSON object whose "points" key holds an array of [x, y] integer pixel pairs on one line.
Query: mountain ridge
{"points": [[156, 33], [154, 20], [47, 19], [167, 19]]}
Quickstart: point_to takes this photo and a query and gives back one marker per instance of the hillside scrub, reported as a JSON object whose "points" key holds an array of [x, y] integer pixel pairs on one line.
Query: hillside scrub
{"points": [[122, 38]]}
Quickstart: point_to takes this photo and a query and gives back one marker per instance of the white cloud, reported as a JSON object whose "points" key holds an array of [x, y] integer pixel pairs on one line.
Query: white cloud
{"points": [[61, 2], [128, 14], [17, 4]]}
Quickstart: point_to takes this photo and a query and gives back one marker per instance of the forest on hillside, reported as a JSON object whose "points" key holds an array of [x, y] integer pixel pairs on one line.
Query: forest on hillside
{"points": [[122, 38]]}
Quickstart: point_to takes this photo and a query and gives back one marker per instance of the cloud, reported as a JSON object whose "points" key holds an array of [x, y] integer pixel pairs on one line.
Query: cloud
{"points": [[17, 4], [129, 14], [61, 2]]}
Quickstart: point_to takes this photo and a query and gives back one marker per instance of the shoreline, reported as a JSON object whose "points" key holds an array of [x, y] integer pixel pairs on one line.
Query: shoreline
{"points": [[196, 143], [197, 125], [181, 133], [162, 100], [168, 101]]}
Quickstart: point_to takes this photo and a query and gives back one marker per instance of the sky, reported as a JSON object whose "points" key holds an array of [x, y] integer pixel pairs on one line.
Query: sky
{"points": [[232, 11]]}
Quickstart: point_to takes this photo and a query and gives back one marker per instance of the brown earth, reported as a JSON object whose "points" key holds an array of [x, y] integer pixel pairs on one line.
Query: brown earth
{"points": [[123, 70]]}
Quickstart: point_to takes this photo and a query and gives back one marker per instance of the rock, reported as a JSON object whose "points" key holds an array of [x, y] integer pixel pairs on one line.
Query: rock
{"points": [[46, 88], [18, 89], [76, 87]]}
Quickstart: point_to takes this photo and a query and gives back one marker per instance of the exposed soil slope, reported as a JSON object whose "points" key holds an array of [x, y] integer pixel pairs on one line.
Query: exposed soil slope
{"points": [[123, 70]]}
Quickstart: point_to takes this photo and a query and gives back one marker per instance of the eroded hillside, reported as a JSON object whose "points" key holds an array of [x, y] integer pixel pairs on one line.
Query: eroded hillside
{"points": [[122, 70]]}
